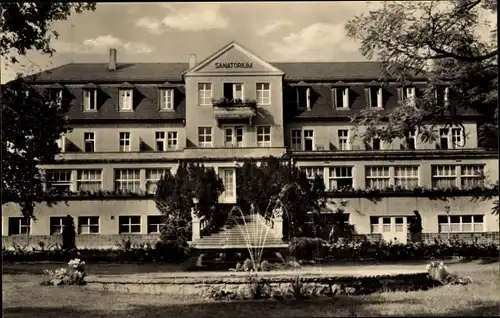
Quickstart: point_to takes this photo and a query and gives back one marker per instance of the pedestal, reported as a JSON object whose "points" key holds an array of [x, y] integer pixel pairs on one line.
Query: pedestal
{"points": [[278, 227], [195, 230]]}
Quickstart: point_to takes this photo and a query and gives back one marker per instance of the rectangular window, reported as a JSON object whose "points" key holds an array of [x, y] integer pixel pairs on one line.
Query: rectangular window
{"points": [[88, 225], [227, 176], [56, 225], [125, 100], [90, 99], [308, 140], [450, 138], [125, 141], [374, 144], [204, 94], [172, 142], [343, 135], [340, 178], [304, 97], [377, 177], [296, 139], [60, 180], [57, 96], [152, 178], [375, 224], [406, 177], [375, 97], [461, 223], [312, 172], [129, 224], [444, 176], [127, 180], [302, 140], [411, 140], [160, 141], [442, 95], [89, 140], [89, 180], [263, 93], [472, 176], [409, 94], [154, 224], [233, 91], [166, 99], [264, 136], [341, 97], [205, 137], [233, 136], [19, 225]]}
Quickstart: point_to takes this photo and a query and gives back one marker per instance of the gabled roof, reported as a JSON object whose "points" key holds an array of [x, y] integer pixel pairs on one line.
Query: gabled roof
{"points": [[236, 47], [126, 85]]}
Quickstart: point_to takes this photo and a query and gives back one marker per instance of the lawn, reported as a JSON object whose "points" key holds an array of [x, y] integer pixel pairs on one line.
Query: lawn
{"points": [[23, 297]]}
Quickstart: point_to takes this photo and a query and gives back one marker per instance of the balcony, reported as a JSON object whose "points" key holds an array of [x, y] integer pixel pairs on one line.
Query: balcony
{"points": [[234, 109]]}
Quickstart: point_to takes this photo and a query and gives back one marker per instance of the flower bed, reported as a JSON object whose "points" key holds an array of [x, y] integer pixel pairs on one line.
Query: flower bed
{"points": [[74, 274]]}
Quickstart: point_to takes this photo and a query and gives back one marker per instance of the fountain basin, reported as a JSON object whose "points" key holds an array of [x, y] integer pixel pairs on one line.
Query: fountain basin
{"points": [[202, 284]]}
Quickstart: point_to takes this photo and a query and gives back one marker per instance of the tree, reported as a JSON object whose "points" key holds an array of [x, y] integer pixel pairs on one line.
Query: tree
{"points": [[32, 120], [174, 199], [68, 234], [261, 185], [438, 39]]}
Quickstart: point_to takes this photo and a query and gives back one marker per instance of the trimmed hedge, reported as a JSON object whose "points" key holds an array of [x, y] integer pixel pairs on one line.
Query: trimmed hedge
{"points": [[317, 249], [302, 248]]}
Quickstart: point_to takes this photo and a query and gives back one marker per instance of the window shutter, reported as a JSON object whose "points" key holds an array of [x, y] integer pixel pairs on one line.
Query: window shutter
{"points": [[368, 96], [84, 99], [308, 98], [334, 94]]}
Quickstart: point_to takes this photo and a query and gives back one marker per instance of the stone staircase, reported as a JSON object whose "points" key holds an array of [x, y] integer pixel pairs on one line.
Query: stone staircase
{"points": [[253, 232]]}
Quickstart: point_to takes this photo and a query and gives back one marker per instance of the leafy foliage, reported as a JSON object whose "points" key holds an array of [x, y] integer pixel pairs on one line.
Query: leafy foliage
{"points": [[174, 199], [439, 40], [261, 185], [32, 121], [27, 25]]}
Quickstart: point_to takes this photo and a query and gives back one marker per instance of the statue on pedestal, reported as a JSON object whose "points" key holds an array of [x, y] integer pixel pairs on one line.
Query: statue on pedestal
{"points": [[278, 212], [194, 215]]}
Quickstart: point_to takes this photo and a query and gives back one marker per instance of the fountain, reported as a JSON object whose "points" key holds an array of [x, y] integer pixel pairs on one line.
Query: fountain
{"points": [[258, 231]]}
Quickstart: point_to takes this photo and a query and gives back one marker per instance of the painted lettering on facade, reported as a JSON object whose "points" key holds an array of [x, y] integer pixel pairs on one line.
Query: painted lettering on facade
{"points": [[233, 65]]}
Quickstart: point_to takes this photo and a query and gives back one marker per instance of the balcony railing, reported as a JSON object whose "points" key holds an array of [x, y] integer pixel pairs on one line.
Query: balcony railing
{"points": [[231, 109], [234, 103]]}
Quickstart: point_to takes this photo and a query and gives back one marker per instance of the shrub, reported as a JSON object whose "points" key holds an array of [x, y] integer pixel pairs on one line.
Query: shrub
{"points": [[257, 288], [74, 274], [298, 289], [306, 248]]}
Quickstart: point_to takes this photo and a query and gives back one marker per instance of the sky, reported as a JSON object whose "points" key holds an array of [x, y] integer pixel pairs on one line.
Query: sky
{"points": [[169, 32]]}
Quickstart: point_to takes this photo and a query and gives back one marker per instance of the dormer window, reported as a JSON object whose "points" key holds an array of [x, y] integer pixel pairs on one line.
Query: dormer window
{"points": [[442, 95], [304, 97], [56, 95], [374, 97], [90, 99], [125, 100], [167, 99], [374, 144], [61, 143], [341, 97], [408, 93]]}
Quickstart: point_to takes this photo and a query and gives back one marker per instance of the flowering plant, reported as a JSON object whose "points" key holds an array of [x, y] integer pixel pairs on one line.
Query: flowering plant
{"points": [[73, 275]]}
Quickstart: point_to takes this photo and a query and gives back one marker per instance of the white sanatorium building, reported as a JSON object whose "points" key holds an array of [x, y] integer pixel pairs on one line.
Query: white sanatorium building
{"points": [[133, 121]]}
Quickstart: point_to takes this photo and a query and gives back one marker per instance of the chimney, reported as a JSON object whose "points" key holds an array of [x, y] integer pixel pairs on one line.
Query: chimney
{"points": [[192, 60], [112, 59]]}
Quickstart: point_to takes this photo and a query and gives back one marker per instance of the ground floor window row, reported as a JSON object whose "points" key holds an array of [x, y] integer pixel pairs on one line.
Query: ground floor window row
{"points": [[407, 176], [128, 224], [376, 177], [132, 224]]}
